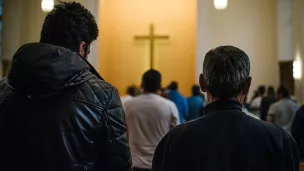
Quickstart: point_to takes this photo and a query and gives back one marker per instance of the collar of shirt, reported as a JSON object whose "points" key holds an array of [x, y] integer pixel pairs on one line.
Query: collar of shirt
{"points": [[222, 105]]}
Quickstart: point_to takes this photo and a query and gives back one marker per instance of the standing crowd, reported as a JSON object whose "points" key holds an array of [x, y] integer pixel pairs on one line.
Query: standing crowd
{"points": [[58, 114]]}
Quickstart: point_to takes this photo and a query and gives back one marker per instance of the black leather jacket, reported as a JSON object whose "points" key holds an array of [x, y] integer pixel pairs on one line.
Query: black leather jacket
{"points": [[58, 114]]}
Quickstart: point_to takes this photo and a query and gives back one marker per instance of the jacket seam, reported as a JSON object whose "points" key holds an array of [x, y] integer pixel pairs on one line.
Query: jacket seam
{"points": [[104, 89], [3, 97], [106, 119], [87, 102]]}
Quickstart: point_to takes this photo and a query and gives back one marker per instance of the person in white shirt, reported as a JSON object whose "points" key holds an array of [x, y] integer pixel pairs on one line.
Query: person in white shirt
{"points": [[149, 117], [256, 102], [283, 111]]}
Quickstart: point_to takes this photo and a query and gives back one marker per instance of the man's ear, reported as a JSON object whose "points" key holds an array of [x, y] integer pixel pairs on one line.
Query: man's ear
{"points": [[247, 85], [202, 83], [81, 49]]}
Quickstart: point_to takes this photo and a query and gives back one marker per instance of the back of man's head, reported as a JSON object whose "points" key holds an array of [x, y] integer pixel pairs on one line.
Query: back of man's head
{"points": [[261, 90], [151, 81], [131, 90], [196, 90], [283, 92], [226, 72], [68, 25], [270, 90], [173, 85]]}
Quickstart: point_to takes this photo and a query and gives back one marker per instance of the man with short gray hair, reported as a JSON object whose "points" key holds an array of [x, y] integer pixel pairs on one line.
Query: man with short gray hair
{"points": [[225, 138]]}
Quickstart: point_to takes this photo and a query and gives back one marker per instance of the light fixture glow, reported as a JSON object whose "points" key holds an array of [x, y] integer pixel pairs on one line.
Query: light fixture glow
{"points": [[297, 66], [47, 5], [220, 4]]}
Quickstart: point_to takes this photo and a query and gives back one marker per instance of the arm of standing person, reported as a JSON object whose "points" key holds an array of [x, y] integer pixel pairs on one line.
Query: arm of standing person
{"points": [[174, 115], [117, 146], [271, 113]]}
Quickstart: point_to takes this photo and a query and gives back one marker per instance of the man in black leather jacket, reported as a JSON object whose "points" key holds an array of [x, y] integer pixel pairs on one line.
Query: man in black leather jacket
{"points": [[56, 112]]}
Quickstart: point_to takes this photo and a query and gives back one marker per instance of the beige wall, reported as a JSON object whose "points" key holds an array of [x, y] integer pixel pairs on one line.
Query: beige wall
{"points": [[298, 42], [123, 60], [247, 24], [22, 22]]}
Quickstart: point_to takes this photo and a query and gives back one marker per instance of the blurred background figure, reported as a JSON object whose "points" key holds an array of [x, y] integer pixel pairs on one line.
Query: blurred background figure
{"points": [[195, 103], [179, 100], [164, 93], [283, 111], [149, 118], [256, 102], [132, 91], [266, 102], [245, 109]]}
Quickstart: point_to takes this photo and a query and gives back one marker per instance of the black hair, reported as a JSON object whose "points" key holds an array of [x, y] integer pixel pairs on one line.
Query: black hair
{"points": [[270, 90], [131, 90], [225, 71], [151, 81], [261, 90], [67, 25], [196, 90], [173, 85], [282, 90]]}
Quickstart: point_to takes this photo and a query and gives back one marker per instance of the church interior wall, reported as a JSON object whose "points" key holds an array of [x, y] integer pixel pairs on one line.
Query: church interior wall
{"points": [[249, 25], [123, 60]]}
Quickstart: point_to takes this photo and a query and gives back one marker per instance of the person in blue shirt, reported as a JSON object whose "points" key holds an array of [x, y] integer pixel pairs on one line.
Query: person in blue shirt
{"points": [[180, 102], [196, 103]]}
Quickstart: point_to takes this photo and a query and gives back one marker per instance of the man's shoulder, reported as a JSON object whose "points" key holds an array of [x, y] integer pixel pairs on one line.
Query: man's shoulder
{"points": [[154, 98], [95, 91], [4, 88], [250, 124]]}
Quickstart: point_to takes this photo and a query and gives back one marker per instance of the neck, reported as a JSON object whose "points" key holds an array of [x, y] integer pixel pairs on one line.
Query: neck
{"points": [[151, 92], [211, 99]]}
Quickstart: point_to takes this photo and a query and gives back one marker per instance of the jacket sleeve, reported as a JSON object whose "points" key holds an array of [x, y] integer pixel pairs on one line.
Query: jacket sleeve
{"points": [[117, 145]]}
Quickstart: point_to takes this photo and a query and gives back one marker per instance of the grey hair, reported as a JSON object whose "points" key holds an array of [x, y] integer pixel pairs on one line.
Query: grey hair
{"points": [[225, 70]]}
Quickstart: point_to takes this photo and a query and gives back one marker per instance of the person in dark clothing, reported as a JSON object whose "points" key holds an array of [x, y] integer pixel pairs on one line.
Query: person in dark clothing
{"points": [[195, 103], [225, 138], [297, 130], [268, 100], [56, 112]]}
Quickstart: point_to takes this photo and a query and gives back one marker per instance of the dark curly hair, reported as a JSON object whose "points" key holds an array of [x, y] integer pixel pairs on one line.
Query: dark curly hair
{"points": [[67, 25]]}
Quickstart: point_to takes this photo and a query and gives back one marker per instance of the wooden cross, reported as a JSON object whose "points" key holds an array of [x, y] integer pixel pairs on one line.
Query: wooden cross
{"points": [[151, 37]]}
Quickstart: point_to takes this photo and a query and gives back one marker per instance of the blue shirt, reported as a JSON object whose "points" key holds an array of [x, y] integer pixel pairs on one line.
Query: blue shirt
{"points": [[181, 104], [196, 105]]}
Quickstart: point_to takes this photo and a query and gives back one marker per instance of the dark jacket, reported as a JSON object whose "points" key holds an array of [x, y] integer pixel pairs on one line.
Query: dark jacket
{"points": [[297, 130], [58, 114], [226, 139], [265, 105]]}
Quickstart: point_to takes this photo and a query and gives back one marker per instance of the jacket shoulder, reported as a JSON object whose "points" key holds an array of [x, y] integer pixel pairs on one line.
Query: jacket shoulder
{"points": [[4, 88], [95, 91]]}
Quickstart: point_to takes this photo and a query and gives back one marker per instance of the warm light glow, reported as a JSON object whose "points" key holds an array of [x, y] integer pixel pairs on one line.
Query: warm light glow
{"points": [[297, 66], [47, 5], [220, 4]]}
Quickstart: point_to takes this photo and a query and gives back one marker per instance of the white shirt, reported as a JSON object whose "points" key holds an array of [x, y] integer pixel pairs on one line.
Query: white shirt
{"points": [[256, 102], [125, 98], [149, 117], [284, 112]]}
